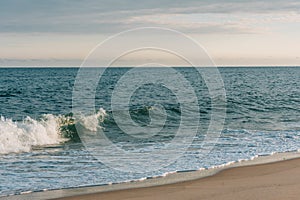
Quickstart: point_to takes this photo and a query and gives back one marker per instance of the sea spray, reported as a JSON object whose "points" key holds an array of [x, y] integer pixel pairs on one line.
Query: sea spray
{"points": [[21, 136], [91, 122]]}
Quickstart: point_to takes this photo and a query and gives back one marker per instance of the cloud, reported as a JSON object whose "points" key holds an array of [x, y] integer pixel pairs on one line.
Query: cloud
{"points": [[62, 32], [9, 62], [199, 23], [114, 16]]}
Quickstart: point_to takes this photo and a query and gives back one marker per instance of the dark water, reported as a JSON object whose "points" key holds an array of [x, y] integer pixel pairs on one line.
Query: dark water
{"points": [[39, 148]]}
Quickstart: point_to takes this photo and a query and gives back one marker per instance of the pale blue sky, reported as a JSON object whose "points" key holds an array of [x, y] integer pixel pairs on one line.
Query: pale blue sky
{"points": [[62, 33]]}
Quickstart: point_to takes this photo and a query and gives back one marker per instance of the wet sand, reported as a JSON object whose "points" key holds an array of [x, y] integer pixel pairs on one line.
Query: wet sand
{"points": [[278, 180]]}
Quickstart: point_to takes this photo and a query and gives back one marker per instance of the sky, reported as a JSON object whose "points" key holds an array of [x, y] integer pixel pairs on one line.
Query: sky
{"points": [[233, 33]]}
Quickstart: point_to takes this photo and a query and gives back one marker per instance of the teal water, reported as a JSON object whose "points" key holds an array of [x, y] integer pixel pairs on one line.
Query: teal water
{"points": [[41, 150]]}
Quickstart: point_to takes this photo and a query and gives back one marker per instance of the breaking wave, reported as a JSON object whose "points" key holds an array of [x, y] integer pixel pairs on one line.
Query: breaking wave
{"points": [[21, 136]]}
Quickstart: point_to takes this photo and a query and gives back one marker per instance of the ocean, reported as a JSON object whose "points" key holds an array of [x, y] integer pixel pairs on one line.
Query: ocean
{"points": [[41, 147]]}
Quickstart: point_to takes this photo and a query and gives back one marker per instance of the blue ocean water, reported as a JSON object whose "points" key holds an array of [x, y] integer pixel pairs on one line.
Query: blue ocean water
{"points": [[41, 150]]}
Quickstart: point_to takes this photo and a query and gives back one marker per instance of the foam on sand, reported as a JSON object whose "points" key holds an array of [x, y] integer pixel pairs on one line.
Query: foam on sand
{"points": [[159, 181]]}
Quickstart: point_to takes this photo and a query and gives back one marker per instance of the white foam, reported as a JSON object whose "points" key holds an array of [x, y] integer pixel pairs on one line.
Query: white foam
{"points": [[168, 173], [18, 137], [26, 192], [91, 122], [142, 179], [21, 136]]}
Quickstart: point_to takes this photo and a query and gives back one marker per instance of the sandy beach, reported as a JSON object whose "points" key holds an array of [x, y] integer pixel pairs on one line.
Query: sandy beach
{"points": [[279, 180]]}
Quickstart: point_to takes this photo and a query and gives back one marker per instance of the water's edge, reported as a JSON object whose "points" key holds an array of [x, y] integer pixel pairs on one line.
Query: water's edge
{"points": [[168, 178]]}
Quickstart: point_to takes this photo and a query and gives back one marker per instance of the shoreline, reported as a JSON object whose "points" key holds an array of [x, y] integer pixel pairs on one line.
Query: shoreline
{"points": [[171, 179]]}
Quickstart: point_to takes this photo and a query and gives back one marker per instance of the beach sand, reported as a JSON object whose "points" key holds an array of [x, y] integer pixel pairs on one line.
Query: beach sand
{"points": [[279, 180]]}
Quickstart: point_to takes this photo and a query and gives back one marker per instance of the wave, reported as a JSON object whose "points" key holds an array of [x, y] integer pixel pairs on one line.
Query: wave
{"points": [[49, 129], [21, 136]]}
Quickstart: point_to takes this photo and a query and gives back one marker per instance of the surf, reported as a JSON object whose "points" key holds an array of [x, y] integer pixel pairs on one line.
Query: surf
{"points": [[49, 129]]}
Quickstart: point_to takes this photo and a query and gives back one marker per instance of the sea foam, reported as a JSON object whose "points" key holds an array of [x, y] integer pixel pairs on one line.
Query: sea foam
{"points": [[21, 136]]}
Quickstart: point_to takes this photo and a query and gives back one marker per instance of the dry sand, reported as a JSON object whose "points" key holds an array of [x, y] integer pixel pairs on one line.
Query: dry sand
{"points": [[280, 180]]}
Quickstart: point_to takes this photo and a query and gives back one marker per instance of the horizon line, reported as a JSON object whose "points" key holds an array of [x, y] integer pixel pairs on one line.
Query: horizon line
{"points": [[125, 66]]}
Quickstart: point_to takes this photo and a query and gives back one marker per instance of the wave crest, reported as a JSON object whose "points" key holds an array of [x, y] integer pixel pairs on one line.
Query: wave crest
{"points": [[21, 136]]}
